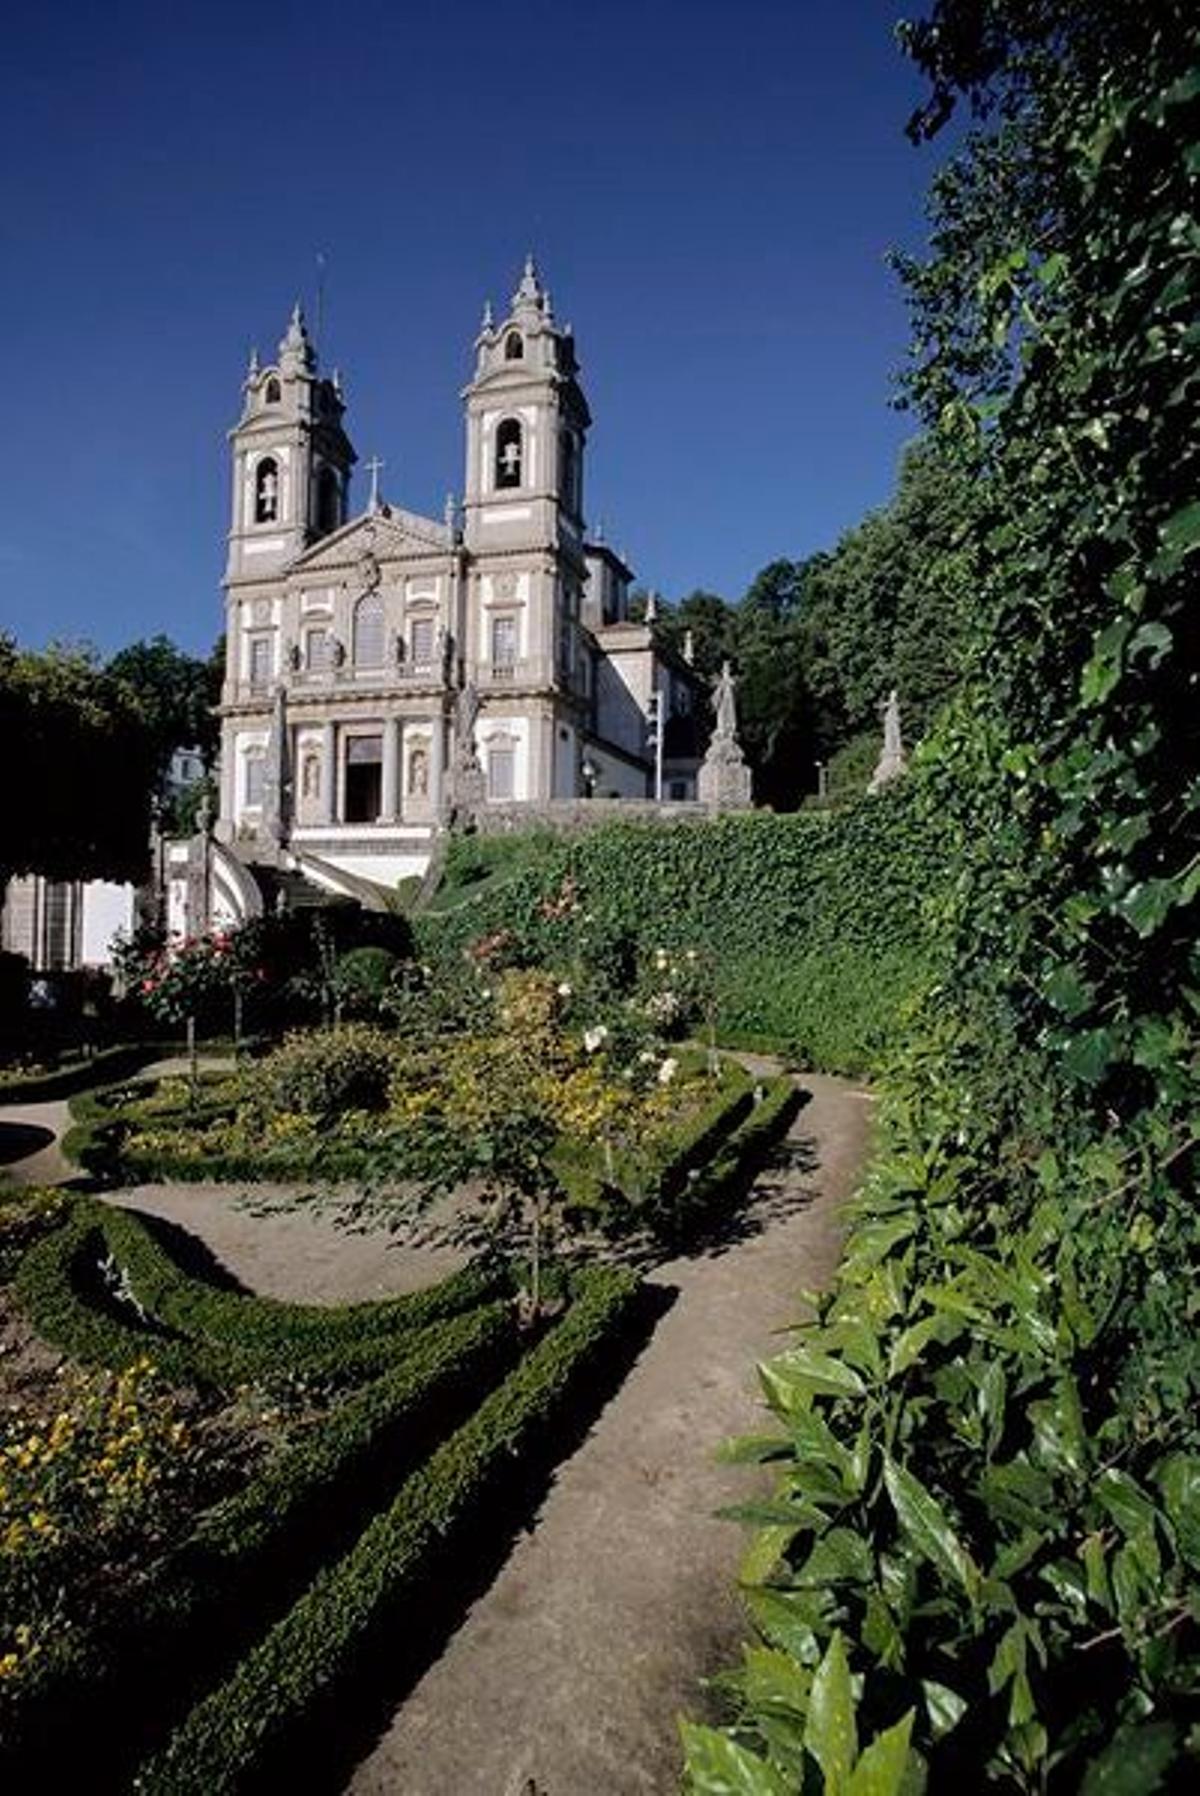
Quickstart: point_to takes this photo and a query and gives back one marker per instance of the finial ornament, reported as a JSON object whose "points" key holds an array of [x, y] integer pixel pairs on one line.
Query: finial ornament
{"points": [[529, 293], [252, 365], [296, 352], [488, 320]]}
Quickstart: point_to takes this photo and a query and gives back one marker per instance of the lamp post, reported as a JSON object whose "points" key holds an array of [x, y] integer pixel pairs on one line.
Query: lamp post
{"points": [[591, 774]]}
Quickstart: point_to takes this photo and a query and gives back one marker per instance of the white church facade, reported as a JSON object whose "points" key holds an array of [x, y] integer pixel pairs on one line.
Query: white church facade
{"points": [[387, 673]]}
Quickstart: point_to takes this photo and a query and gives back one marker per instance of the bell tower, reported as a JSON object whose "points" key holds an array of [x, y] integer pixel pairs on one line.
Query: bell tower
{"points": [[291, 460], [527, 422]]}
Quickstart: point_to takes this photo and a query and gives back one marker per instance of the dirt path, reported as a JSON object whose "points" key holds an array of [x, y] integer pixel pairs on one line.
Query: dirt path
{"points": [[566, 1677]]}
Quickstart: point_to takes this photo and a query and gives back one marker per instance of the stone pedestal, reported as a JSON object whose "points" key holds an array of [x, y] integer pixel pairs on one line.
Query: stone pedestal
{"points": [[723, 782]]}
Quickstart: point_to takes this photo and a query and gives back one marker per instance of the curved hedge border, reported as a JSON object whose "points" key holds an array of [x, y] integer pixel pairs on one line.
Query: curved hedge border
{"points": [[106, 1065], [229, 1737], [197, 1333], [257, 1543]]}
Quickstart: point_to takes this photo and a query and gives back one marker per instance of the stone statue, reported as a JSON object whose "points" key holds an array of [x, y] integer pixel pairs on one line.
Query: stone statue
{"points": [[469, 784], [418, 774], [723, 782], [724, 704], [276, 783], [892, 760]]}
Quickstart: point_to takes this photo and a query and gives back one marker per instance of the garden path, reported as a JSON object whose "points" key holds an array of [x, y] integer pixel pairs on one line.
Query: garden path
{"points": [[566, 1676], [30, 1133]]}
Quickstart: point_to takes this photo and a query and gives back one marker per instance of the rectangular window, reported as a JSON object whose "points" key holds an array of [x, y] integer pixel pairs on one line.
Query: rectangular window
{"points": [[501, 773], [422, 642], [255, 764], [317, 656], [260, 660], [504, 641], [678, 791]]}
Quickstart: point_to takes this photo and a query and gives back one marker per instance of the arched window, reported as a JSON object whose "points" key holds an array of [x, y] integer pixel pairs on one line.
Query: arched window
{"points": [[514, 347], [273, 394], [266, 491], [329, 501], [368, 631], [508, 453]]}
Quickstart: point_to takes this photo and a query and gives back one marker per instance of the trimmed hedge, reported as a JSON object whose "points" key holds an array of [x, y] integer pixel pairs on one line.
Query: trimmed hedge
{"points": [[233, 1733], [106, 1065], [724, 1177], [197, 1333], [268, 1326], [754, 894], [258, 1544]]}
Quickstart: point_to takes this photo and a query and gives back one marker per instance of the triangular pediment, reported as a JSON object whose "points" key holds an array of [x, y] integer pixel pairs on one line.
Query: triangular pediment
{"points": [[389, 534]]}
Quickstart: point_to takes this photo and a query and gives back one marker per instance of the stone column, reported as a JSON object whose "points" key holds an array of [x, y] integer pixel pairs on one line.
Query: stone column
{"points": [[389, 808], [328, 774]]}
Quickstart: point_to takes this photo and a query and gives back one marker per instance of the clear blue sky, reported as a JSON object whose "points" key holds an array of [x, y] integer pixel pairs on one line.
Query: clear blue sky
{"points": [[710, 189]]}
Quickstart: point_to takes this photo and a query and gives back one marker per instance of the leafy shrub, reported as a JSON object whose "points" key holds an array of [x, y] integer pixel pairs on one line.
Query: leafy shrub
{"points": [[364, 978], [324, 1072]]}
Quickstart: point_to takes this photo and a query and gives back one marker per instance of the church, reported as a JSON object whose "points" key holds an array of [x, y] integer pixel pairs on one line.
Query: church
{"points": [[389, 675]]}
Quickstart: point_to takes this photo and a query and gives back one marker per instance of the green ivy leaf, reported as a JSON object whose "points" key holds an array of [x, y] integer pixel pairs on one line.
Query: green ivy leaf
{"points": [[830, 1734], [929, 1527], [718, 1766], [1134, 1763], [1181, 532], [792, 1379], [880, 1771], [945, 1707]]}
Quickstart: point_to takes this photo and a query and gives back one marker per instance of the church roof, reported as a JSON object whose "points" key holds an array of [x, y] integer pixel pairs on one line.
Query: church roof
{"points": [[389, 534]]}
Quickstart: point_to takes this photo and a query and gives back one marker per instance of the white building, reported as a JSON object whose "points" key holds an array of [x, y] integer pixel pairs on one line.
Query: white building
{"points": [[387, 672]]}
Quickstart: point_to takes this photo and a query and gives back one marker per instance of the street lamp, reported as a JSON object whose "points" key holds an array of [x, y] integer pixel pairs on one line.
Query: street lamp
{"points": [[591, 773]]}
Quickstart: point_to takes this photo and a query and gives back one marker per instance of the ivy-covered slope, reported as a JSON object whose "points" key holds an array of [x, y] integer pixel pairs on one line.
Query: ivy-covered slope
{"points": [[989, 1437], [813, 924]]}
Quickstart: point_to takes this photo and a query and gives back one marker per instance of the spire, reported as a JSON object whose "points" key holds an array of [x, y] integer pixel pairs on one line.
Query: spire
{"points": [[252, 366], [487, 322], [529, 292], [296, 353]]}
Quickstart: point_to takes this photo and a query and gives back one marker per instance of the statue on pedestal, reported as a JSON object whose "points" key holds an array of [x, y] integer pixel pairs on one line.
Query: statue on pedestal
{"points": [[724, 778]]}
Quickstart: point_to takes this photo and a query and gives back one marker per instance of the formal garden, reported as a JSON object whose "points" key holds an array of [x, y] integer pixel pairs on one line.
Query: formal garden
{"points": [[215, 1503]]}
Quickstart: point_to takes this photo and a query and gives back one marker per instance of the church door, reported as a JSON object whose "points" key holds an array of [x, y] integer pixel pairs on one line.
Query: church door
{"points": [[364, 779]]}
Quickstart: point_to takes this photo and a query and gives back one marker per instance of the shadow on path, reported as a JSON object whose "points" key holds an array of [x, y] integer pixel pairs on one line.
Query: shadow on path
{"points": [[19, 1140]]}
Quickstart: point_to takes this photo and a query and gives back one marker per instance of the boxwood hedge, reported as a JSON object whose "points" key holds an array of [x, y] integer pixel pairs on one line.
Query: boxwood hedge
{"points": [[228, 1741]]}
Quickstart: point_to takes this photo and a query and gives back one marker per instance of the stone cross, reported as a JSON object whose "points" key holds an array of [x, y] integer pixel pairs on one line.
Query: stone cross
{"points": [[373, 468]]}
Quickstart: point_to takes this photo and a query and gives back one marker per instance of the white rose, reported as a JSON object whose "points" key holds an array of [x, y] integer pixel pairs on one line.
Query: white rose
{"points": [[595, 1038], [564, 990], [667, 1071]]}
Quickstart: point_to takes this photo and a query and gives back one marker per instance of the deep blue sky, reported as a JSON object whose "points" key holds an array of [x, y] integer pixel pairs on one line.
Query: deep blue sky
{"points": [[710, 190]]}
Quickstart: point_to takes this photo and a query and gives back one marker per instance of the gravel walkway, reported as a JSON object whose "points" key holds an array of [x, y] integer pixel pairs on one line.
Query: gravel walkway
{"points": [[566, 1677]]}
